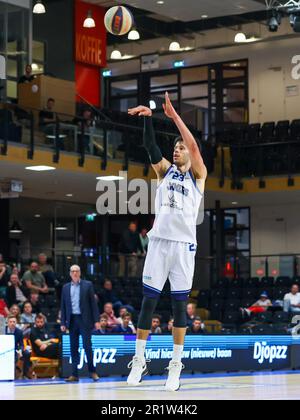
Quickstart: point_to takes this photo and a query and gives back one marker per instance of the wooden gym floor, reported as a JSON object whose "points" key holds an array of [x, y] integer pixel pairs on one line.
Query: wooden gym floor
{"points": [[241, 386]]}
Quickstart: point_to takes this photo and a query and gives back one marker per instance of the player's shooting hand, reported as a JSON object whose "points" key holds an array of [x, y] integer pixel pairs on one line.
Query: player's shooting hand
{"points": [[141, 111], [168, 108]]}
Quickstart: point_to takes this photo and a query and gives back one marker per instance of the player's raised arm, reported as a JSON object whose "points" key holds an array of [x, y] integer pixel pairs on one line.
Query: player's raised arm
{"points": [[159, 164], [198, 166]]}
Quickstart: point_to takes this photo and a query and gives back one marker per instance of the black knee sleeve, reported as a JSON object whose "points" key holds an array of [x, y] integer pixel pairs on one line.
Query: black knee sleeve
{"points": [[179, 313], [147, 310]]}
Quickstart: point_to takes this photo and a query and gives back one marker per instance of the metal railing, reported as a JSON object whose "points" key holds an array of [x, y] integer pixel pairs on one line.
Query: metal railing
{"points": [[104, 139], [102, 263], [260, 160]]}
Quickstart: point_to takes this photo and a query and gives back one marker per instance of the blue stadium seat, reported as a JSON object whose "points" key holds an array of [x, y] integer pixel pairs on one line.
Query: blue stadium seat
{"points": [[295, 129], [221, 283], [280, 317], [232, 304], [203, 299], [263, 329], [266, 281], [282, 130], [253, 133], [218, 293], [267, 132], [234, 293], [283, 281], [264, 317], [252, 282], [250, 293], [230, 317]]}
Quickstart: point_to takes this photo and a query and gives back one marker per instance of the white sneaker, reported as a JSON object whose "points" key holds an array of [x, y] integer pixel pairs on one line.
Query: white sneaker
{"points": [[138, 370], [173, 381]]}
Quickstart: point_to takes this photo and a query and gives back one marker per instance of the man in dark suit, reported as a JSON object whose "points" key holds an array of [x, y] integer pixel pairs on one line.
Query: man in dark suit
{"points": [[80, 315], [20, 352]]}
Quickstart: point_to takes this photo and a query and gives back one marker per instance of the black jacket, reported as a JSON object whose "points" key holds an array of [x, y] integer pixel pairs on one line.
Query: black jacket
{"points": [[11, 297]]}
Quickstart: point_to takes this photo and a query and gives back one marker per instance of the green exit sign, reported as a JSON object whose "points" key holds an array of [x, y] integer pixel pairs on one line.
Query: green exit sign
{"points": [[90, 217]]}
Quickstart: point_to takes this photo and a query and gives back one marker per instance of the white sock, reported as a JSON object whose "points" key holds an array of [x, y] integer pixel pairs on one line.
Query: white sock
{"points": [[177, 353], [140, 346]]}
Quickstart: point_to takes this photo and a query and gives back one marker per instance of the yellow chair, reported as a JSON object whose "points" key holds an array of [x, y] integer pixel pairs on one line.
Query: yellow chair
{"points": [[42, 367]]}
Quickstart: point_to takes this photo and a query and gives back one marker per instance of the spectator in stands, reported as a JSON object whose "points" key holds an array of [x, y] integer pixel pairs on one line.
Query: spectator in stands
{"points": [[87, 120], [16, 292], [48, 272], [144, 240], [42, 344], [291, 301], [107, 295], [20, 352], [197, 326], [28, 76], [47, 118], [27, 318], [169, 327], [124, 328], [43, 264], [191, 313], [3, 308], [130, 246], [34, 300], [155, 326], [16, 312], [34, 280], [261, 305], [15, 270], [4, 278], [123, 310], [112, 321], [103, 325]]}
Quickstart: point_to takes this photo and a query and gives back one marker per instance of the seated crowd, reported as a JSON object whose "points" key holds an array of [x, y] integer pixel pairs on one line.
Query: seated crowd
{"points": [[23, 298]]}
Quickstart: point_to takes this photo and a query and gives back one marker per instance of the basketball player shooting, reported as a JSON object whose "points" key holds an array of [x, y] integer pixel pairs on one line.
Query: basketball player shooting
{"points": [[172, 240]]}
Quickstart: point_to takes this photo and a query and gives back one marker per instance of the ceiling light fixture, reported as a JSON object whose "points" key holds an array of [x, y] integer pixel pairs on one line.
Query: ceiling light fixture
{"points": [[133, 35], [240, 37], [40, 168], [89, 21], [174, 46], [110, 178], [39, 8], [61, 228], [15, 228], [116, 55], [34, 67]]}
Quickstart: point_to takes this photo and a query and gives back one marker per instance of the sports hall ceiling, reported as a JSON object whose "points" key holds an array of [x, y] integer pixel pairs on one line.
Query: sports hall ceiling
{"points": [[176, 17], [53, 187]]}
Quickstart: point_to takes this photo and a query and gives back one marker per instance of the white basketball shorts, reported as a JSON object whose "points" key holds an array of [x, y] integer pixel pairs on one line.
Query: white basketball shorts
{"points": [[169, 259]]}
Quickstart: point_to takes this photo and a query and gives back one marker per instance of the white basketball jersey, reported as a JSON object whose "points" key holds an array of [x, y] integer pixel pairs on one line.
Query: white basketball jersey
{"points": [[177, 205]]}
